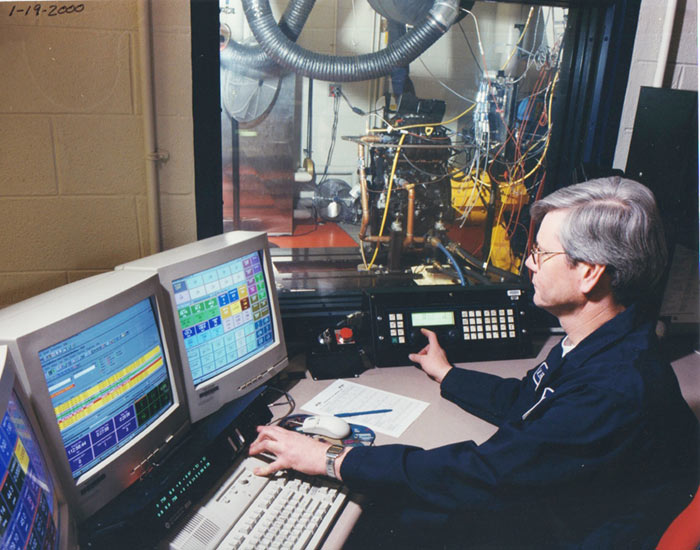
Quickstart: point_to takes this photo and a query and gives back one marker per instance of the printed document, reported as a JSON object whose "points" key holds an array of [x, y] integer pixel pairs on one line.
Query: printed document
{"points": [[344, 397]]}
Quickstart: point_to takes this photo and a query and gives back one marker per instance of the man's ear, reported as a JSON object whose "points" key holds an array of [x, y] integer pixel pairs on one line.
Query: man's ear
{"points": [[591, 275]]}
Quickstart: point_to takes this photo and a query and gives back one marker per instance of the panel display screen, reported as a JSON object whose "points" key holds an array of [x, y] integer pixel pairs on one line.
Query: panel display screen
{"points": [[224, 315], [107, 384], [432, 318], [27, 518]]}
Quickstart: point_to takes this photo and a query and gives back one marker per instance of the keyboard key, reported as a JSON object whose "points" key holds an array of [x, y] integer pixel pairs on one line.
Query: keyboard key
{"points": [[288, 513]]}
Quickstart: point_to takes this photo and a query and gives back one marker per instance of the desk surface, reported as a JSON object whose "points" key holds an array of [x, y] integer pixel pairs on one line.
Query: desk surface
{"points": [[454, 423]]}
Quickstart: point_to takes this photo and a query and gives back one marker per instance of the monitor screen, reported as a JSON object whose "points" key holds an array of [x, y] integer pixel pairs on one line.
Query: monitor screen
{"points": [[107, 384], [27, 492], [225, 316], [96, 358], [30, 510]]}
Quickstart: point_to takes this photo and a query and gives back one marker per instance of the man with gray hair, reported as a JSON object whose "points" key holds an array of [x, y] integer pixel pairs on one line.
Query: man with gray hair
{"points": [[596, 447]]}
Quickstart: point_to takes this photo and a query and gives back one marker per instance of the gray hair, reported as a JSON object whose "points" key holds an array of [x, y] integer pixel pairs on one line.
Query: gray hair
{"points": [[612, 222]]}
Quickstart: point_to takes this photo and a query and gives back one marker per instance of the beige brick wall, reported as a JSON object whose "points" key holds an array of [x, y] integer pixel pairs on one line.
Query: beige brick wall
{"points": [[73, 188]]}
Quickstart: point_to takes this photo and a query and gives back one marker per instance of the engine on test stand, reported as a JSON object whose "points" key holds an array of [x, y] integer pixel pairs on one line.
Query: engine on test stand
{"points": [[409, 197]]}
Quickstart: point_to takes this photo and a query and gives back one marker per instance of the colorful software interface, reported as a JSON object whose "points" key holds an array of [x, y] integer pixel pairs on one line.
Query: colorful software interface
{"points": [[26, 491], [224, 315], [107, 384]]}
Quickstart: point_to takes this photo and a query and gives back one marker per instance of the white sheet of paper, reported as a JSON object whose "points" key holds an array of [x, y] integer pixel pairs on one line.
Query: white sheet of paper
{"points": [[343, 396]]}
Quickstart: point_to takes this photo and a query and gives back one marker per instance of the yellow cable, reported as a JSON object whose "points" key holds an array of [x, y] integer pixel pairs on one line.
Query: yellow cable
{"points": [[498, 222], [539, 161], [388, 196], [362, 253], [522, 34]]}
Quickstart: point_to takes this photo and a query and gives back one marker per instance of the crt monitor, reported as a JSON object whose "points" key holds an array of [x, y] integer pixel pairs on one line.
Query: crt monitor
{"points": [[225, 314], [33, 513], [95, 358]]}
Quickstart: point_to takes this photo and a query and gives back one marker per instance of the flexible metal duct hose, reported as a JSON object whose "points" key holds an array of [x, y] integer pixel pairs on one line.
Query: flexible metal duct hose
{"points": [[410, 12], [347, 68], [291, 23]]}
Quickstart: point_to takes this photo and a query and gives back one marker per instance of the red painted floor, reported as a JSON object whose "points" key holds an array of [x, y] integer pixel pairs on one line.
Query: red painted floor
{"points": [[323, 235]]}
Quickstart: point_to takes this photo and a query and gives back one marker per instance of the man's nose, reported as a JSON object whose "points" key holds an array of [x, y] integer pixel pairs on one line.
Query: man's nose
{"points": [[530, 263]]}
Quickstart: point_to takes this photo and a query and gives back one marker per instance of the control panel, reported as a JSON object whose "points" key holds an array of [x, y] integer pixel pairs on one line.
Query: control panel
{"points": [[472, 323]]}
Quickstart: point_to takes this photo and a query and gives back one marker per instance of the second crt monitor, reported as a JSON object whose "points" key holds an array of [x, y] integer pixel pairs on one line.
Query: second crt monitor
{"points": [[94, 356], [225, 314]]}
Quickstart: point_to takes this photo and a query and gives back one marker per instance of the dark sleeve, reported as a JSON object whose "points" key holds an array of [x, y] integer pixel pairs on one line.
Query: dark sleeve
{"points": [[484, 395], [567, 438]]}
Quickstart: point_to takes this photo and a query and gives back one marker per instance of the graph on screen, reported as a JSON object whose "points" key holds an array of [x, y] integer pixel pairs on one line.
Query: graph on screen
{"points": [[107, 384]]}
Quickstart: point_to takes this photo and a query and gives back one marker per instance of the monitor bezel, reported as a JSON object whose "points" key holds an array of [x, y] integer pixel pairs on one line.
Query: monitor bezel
{"points": [[209, 396], [11, 382], [87, 303]]}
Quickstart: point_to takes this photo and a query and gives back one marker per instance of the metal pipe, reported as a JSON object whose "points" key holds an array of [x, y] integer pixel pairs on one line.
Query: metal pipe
{"points": [[666, 35], [411, 189], [386, 239], [294, 58], [364, 194], [291, 23], [149, 126], [309, 117], [364, 197], [364, 200]]}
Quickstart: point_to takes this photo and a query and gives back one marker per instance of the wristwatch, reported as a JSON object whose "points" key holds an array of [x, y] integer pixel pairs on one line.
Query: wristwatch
{"points": [[331, 454]]}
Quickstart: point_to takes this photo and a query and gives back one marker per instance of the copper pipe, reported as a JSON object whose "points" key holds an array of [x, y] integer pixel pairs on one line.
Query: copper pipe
{"points": [[386, 239], [375, 238], [411, 189], [414, 240], [364, 197], [364, 201]]}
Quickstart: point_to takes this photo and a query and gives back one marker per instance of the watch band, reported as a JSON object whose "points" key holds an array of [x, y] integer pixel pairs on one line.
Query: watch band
{"points": [[331, 454]]}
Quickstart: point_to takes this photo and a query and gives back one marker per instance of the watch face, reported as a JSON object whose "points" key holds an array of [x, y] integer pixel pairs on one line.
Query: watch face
{"points": [[331, 454], [334, 450]]}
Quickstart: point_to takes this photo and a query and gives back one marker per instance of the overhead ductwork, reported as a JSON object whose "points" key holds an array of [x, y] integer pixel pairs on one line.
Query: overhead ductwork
{"points": [[280, 48], [407, 12], [236, 55]]}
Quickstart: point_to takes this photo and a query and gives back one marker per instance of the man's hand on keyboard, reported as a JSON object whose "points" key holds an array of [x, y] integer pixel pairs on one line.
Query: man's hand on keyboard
{"points": [[292, 450]]}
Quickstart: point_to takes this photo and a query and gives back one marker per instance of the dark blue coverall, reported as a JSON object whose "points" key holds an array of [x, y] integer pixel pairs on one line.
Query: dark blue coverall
{"points": [[594, 450]]}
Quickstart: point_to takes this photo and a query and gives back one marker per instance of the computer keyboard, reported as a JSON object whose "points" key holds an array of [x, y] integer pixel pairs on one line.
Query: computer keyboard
{"points": [[288, 512]]}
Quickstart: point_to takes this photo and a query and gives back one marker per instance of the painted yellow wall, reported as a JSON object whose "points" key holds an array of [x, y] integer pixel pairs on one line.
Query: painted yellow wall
{"points": [[73, 195]]}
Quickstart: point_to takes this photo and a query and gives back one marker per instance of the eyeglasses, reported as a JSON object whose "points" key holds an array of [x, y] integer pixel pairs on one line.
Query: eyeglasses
{"points": [[536, 252]]}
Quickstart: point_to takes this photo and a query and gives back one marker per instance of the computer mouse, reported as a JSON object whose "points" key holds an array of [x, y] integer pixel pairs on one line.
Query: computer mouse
{"points": [[329, 426]]}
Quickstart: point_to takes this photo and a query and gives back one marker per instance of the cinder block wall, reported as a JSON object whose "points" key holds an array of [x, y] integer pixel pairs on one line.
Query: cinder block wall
{"points": [[682, 66], [72, 154]]}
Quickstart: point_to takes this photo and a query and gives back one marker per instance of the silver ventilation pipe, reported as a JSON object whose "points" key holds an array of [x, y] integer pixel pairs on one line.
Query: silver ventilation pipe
{"points": [[293, 57], [290, 25]]}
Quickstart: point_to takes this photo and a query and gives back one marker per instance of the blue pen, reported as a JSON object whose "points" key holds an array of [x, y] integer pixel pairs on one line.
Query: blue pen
{"points": [[359, 413]]}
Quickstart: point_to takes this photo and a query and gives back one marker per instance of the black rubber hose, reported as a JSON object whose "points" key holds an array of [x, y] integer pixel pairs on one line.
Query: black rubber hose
{"points": [[293, 57], [291, 23]]}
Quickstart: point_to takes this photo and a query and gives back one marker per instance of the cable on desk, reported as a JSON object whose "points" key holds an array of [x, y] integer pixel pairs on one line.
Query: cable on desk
{"points": [[290, 403]]}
